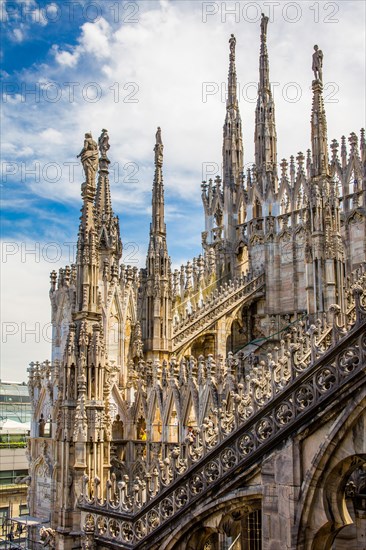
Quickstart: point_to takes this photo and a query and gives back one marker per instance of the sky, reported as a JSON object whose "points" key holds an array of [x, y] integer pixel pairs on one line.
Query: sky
{"points": [[129, 66]]}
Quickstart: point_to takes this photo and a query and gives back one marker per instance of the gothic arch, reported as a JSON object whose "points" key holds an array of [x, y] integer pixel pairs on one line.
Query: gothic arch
{"points": [[322, 507], [120, 403], [140, 415], [334, 501], [210, 519], [155, 417], [203, 344], [191, 410], [209, 402], [171, 418]]}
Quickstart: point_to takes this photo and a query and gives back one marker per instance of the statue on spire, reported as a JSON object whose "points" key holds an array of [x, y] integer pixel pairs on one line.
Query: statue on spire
{"points": [[158, 148], [103, 143], [264, 25], [158, 140], [318, 63], [89, 158], [232, 42]]}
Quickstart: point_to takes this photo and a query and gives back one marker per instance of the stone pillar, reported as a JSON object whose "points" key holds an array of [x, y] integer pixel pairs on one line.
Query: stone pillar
{"points": [[280, 492], [221, 337]]}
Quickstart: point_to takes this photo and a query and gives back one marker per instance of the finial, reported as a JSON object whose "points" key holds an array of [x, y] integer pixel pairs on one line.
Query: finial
{"points": [[363, 144], [292, 169], [353, 141], [284, 166], [300, 162], [343, 151], [318, 63], [334, 147], [308, 163]]}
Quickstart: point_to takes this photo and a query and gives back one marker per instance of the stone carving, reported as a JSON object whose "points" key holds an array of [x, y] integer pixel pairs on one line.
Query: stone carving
{"points": [[87, 539], [318, 64], [89, 159], [282, 368], [158, 148], [48, 538], [103, 144], [264, 25], [193, 420], [232, 43]]}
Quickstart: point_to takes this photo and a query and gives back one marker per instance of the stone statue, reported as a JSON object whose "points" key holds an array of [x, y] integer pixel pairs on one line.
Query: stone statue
{"points": [[103, 143], [158, 139], [318, 63], [232, 43], [264, 25], [48, 537], [89, 158], [158, 148], [87, 539]]}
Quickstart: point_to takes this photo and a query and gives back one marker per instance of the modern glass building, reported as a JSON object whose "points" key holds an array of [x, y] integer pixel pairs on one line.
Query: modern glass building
{"points": [[15, 402], [15, 416]]}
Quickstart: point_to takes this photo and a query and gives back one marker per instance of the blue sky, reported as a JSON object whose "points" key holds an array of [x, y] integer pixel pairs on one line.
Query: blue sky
{"points": [[129, 67]]}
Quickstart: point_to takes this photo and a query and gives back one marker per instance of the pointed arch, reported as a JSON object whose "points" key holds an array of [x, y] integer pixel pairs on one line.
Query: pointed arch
{"points": [[155, 417], [140, 415], [120, 404], [171, 419], [209, 403], [191, 412]]}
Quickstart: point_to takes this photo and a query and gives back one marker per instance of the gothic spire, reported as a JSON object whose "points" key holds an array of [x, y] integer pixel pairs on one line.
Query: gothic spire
{"points": [[156, 325], [86, 246], [265, 137], [107, 224], [158, 226], [232, 149], [103, 197], [319, 142], [89, 160]]}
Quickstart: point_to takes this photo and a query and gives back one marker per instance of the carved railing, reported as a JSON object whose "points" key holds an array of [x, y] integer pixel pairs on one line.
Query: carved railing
{"points": [[218, 304], [281, 392]]}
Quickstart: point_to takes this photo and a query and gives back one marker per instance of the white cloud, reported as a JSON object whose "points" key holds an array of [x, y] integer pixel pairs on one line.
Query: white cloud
{"points": [[39, 16], [18, 35], [12, 99], [169, 55], [52, 9], [52, 136], [65, 58], [163, 63], [96, 38]]}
